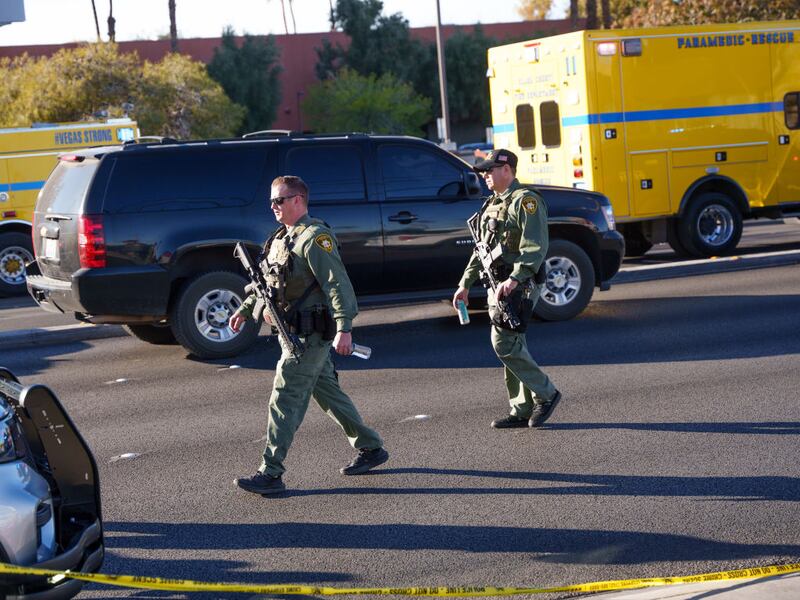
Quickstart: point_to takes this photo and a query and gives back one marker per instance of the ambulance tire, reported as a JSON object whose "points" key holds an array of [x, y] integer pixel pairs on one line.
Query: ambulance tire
{"points": [[15, 251], [674, 240], [200, 315], [159, 335], [712, 226], [569, 282]]}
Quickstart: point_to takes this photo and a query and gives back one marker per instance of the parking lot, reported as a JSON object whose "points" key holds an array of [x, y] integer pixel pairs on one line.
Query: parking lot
{"points": [[668, 455]]}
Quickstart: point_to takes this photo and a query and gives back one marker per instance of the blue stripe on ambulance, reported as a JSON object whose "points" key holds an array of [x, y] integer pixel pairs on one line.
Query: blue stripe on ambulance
{"points": [[660, 115], [24, 186]]}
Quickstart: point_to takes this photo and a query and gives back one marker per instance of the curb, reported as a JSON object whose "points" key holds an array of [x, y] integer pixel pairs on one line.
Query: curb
{"points": [[60, 334], [706, 266], [64, 334]]}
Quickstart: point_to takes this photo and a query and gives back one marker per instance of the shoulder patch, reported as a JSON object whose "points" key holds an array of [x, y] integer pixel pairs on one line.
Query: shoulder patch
{"points": [[530, 205], [324, 241]]}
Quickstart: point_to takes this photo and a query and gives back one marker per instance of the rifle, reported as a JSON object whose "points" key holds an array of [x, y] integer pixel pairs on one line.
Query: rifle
{"points": [[266, 295], [488, 257]]}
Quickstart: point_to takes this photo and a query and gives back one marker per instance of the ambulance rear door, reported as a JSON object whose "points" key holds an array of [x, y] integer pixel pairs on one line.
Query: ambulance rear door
{"points": [[608, 139], [785, 62]]}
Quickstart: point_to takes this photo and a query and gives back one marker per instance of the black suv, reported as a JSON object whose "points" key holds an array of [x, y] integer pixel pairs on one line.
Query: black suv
{"points": [[143, 234]]}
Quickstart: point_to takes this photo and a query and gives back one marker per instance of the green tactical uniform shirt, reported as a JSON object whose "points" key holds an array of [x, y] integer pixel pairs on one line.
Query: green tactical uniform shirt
{"points": [[522, 229], [315, 255]]}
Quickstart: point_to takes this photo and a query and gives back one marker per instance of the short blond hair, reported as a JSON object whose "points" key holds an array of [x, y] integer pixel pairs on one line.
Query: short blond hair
{"points": [[293, 184]]}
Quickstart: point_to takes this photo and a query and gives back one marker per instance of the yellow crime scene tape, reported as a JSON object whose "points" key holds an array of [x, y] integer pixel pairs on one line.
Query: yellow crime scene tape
{"points": [[187, 585]]}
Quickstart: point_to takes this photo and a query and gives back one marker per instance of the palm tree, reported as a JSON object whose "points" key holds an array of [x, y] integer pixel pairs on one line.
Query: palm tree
{"points": [[112, 32], [173, 28], [96, 22], [283, 10], [605, 6], [573, 14], [591, 14], [291, 11]]}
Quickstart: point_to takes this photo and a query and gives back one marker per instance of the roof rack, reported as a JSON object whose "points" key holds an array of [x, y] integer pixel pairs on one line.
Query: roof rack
{"points": [[269, 133]]}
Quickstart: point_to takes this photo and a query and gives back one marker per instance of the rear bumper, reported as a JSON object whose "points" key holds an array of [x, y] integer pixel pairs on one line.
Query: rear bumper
{"points": [[85, 555], [129, 291]]}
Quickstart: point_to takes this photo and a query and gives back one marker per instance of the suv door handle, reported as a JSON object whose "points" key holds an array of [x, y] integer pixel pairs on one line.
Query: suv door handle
{"points": [[403, 217]]}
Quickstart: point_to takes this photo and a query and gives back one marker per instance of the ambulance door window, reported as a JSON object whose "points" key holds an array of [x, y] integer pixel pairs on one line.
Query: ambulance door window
{"points": [[791, 110], [550, 124], [526, 130]]}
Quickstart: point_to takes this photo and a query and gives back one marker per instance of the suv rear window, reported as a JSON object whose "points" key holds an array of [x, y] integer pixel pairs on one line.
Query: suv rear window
{"points": [[64, 190], [160, 180]]}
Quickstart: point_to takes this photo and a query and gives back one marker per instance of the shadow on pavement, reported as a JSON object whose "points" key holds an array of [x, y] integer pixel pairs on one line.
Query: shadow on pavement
{"points": [[564, 546]]}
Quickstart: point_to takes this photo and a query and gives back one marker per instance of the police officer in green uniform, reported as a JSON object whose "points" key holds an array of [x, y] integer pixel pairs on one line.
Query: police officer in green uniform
{"points": [[304, 267], [516, 218]]}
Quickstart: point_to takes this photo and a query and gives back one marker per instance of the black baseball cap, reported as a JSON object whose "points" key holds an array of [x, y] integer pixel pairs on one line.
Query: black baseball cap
{"points": [[497, 158]]}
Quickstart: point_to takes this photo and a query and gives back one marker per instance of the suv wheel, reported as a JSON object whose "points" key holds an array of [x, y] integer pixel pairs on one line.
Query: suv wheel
{"points": [[161, 335], [569, 285], [200, 315], [15, 252]]}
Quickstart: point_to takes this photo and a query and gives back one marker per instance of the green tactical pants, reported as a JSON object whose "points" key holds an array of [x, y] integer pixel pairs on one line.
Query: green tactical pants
{"points": [[526, 383], [295, 382]]}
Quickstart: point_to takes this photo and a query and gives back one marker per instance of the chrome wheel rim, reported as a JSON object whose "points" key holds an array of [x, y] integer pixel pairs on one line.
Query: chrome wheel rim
{"points": [[715, 225], [563, 281], [213, 312], [12, 264]]}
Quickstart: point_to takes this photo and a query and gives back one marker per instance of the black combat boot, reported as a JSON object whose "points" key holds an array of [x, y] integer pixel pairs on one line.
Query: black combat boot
{"points": [[261, 483], [367, 459], [542, 412], [509, 422]]}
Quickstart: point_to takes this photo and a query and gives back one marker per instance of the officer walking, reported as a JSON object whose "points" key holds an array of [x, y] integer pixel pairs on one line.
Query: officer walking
{"points": [[515, 218], [304, 266]]}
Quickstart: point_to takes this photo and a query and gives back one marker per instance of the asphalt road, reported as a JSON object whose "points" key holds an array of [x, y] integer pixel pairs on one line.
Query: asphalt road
{"points": [[673, 451], [759, 236]]}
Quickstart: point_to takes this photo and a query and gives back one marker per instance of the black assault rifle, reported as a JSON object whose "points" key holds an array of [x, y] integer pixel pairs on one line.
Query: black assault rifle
{"points": [[488, 258], [266, 295]]}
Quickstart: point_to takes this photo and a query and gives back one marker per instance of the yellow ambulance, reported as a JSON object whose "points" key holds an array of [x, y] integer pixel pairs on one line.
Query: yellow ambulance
{"points": [[27, 155], [687, 129]]}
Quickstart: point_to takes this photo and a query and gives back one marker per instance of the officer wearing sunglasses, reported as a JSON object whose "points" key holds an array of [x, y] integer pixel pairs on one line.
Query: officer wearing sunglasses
{"points": [[304, 267]]}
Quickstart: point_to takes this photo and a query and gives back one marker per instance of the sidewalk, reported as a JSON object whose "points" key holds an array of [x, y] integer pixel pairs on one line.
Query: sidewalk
{"points": [[784, 587]]}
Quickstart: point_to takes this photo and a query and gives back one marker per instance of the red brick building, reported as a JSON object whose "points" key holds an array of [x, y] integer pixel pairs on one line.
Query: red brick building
{"points": [[298, 57]]}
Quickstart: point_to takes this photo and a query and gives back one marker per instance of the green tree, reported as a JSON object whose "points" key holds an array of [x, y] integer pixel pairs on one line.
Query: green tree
{"points": [[179, 99], [534, 10], [174, 97], [467, 86], [74, 84], [354, 102], [378, 44], [641, 13], [250, 77]]}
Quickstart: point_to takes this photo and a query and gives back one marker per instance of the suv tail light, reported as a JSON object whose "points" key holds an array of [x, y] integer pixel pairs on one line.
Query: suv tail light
{"points": [[91, 242]]}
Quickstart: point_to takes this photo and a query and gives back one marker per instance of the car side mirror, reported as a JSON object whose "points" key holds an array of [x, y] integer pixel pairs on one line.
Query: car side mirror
{"points": [[472, 183]]}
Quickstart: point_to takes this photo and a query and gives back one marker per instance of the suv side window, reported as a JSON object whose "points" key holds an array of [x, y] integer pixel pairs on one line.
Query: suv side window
{"points": [[332, 173], [414, 172], [159, 180]]}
